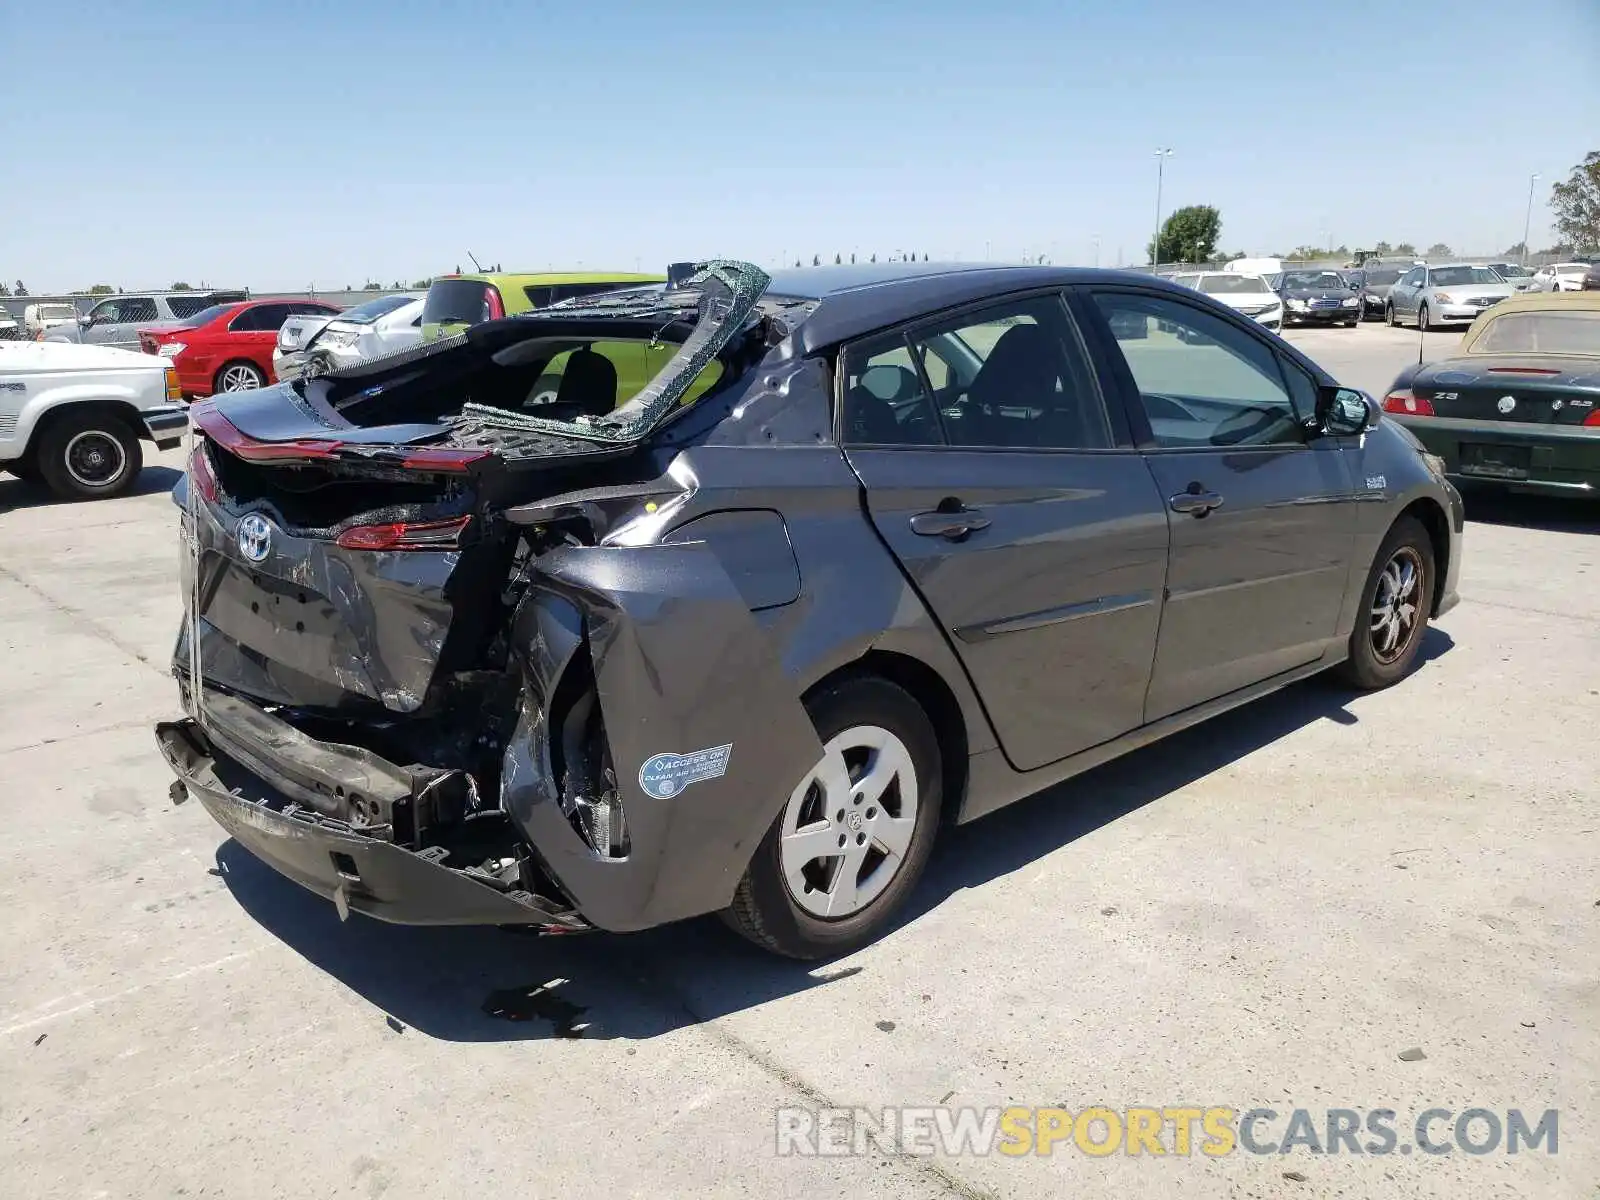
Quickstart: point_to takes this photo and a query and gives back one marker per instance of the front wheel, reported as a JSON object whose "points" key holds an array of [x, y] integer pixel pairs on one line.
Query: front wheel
{"points": [[1423, 324], [847, 849], [90, 456], [1395, 606]]}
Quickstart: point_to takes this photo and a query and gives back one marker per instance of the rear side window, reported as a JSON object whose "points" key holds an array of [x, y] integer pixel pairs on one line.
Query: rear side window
{"points": [[885, 403], [263, 318], [184, 307], [456, 302], [1012, 376]]}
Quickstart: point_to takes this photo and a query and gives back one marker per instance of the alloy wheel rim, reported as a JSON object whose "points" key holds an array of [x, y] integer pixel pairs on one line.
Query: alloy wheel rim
{"points": [[95, 458], [848, 825], [1396, 605], [238, 379]]}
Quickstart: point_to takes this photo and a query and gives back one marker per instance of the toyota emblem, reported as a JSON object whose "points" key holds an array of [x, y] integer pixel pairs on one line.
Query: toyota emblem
{"points": [[1506, 403], [255, 537]]}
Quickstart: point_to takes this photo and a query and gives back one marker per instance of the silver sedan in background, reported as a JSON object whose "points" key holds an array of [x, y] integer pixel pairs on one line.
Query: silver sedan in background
{"points": [[1248, 295], [1453, 293]]}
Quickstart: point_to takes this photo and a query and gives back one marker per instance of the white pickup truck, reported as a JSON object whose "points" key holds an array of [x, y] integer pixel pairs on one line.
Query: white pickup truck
{"points": [[72, 417]]}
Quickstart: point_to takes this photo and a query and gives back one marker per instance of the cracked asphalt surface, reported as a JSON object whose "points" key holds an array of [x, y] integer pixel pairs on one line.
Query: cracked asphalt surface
{"points": [[1264, 911]]}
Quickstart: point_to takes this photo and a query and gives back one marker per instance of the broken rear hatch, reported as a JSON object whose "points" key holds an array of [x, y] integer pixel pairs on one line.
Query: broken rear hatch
{"points": [[342, 527]]}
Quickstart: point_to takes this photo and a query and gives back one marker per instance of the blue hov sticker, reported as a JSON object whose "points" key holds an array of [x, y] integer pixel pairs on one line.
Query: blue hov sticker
{"points": [[665, 775]]}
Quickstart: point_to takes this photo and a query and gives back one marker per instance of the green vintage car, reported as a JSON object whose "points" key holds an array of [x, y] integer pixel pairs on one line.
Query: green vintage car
{"points": [[455, 302], [1519, 405]]}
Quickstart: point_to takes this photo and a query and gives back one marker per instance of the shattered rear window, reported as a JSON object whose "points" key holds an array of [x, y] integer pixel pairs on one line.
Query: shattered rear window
{"points": [[721, 300]]}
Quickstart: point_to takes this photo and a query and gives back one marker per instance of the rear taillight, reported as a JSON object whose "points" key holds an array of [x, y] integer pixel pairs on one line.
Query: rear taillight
{"points": [[1407, 403], [1592, 421], [174, 388], [447, 461], [492, 301], [405, 535], [201, 477]]}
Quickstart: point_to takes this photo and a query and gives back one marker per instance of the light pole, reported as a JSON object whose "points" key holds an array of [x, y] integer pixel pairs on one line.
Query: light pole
{"points": [[1527, 221], [1162, 155], [1097, 250]]}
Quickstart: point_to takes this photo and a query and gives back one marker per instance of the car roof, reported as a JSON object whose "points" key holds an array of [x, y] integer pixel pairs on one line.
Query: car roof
{"points": [[530, 278], [854, 300]]}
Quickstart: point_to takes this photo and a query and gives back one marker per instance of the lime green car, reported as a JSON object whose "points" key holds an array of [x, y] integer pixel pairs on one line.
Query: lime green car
{"points": [[455, 302]]}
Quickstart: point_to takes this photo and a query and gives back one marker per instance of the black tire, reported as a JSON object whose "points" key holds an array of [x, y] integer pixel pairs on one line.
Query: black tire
{"points": [[89, 455], [764, 910], [1423, 324], [1349, 324], [1389, 318], [237, 368], [1367, 667]]}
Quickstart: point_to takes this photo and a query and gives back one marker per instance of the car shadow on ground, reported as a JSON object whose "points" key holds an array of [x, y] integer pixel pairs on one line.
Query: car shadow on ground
{"points": [[1496, 506], [19, 493], [483, 984]]}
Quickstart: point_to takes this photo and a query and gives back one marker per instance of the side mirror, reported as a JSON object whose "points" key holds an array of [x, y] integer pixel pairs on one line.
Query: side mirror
{"points": [[1345, 412]]}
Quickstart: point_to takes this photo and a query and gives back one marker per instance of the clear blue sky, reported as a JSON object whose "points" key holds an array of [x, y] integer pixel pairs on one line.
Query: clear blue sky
{"points": [[293, 142]]}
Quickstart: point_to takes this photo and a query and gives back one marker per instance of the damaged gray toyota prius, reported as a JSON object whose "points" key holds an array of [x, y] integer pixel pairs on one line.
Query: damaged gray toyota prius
{"points": [[874, 550]]}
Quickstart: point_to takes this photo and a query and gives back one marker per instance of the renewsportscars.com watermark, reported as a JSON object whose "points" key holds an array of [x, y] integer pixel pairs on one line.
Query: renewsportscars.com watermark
{"points": [[1160, 1130]]}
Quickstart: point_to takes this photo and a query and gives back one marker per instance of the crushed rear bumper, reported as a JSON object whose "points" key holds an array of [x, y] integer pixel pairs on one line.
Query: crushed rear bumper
{"points": [[358, 870]]}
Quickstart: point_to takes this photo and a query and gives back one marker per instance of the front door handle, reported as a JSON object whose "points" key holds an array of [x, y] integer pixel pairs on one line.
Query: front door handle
{"points": [[955, 524], [1197, 503]]}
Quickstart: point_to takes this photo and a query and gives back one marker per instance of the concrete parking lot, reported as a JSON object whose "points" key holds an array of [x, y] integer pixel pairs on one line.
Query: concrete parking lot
{"points": [[1266, 911]]}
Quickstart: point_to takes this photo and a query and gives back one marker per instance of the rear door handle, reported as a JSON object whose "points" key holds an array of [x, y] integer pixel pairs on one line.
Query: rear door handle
{"points": [[954, 525], [1196, 503]]}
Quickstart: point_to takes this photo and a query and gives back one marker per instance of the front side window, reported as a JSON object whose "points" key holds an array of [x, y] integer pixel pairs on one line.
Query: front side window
{"points": [[1202, 381]]}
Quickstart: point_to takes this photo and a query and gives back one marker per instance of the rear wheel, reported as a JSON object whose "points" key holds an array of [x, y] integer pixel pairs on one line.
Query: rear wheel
{"points": [[1389, 317], [239, 377], [89, 456], [851, 842], [1395, 606], [1423, 324]]}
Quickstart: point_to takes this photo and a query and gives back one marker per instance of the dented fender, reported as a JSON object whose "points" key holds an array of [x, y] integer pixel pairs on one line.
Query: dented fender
{"points": [[680, 665]]}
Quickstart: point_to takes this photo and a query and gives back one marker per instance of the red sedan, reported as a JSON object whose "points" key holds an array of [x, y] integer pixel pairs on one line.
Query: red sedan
{"points": [[227, 347]]}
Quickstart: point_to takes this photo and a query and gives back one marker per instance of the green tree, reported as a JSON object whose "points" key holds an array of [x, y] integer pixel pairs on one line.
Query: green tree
{"points": [[180, 286], [1189, 235], [102, 289], [1516, 251], [1576, 203], [1383, 250], [1405, 248], [421, 285], [4, 290], [20, 289], [1439, 250], [836, 260]]}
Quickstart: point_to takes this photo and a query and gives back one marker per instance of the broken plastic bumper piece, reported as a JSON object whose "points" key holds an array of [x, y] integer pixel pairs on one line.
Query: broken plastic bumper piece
{"points": [[357, 869]]}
